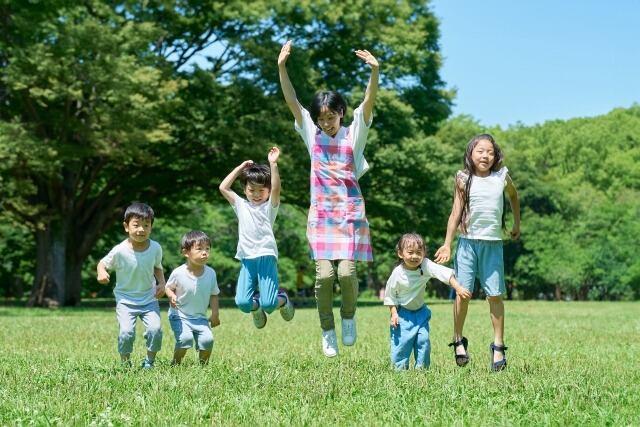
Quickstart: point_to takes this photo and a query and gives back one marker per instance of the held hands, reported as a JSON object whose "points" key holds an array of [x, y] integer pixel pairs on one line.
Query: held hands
{"points": [[274, 155], [463, 293], [284, 53], [214, 320], [443, 254], [367, 57], [103, 277]]}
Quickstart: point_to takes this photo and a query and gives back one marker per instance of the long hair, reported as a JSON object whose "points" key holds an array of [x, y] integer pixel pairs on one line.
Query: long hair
{"points": [[470, 170]]}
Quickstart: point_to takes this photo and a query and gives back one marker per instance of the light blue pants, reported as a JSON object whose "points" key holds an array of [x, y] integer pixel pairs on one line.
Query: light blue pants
{"points": [[150, 316], [481, 259], [262, 271], [411, 335], [188, 331]]}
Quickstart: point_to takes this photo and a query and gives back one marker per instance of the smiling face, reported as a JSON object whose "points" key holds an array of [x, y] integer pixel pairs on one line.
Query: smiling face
{"points": [[329, 121], [483, 157], [411, 256], [138, 230], [256, 193]]}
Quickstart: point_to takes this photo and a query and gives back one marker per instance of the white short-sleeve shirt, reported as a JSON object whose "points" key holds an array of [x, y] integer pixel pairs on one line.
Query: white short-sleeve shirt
{"points": [[486, 203], [255, 228], [135, 282], [192, 292], [358, 128], [406, 287]]}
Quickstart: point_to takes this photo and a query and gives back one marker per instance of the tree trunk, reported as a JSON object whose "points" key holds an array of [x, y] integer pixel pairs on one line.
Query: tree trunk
{"points": [[558, 293], [58, 279]]}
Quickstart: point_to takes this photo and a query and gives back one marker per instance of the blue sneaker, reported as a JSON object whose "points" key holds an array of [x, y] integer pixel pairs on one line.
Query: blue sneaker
{"points": [[147, 364]]}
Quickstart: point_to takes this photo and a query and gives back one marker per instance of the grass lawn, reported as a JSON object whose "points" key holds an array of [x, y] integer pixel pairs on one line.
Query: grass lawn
{"points": [[569, 364]]}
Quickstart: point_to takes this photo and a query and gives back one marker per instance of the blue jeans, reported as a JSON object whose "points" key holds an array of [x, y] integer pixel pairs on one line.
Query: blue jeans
{"points": [[188, 331], [411, 335], [150, 316], [263, 271], [482, 259]]}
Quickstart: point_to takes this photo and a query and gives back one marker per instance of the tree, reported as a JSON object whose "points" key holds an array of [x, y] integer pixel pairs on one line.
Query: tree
{"points": [[102, 103]]}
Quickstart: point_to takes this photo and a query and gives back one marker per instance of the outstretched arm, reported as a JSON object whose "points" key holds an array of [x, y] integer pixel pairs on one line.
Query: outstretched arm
{"points": [[514, 201], [273, 156], [372, 87], [225, 185], [443, 254], [285, 83]]}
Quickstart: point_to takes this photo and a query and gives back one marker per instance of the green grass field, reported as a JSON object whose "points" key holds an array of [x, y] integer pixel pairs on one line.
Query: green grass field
{"points": [[569, 364]]}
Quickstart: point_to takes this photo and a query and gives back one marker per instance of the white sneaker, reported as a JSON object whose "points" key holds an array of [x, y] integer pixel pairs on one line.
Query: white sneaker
{"points": [[330, 343], [259, 318], [349, 333], [287, 310]]}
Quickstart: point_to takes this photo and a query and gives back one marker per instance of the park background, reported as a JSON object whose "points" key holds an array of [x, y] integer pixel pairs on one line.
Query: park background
{"points": [[105, 102]]}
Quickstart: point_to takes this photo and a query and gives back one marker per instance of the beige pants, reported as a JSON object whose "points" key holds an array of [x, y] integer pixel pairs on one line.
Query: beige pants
{"points": [[325, 278]]}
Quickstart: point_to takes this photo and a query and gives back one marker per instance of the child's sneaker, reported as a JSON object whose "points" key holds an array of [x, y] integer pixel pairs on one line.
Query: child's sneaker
{"points": [[259, 318], [147, 364], [287, 310], [349, 333], [329, 343]]}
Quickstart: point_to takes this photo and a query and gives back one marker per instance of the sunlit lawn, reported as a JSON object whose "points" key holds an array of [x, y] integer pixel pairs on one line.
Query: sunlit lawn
{"points": [[569, 364]]}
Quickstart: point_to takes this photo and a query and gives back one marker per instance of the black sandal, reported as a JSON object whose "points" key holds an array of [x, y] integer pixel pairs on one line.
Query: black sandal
{"points": [[461, 359], [500, 364]]}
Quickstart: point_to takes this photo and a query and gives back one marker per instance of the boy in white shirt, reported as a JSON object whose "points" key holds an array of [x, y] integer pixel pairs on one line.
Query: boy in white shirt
{"points": [[404, 295], [139, 282], [257, 249], [191, 288]]}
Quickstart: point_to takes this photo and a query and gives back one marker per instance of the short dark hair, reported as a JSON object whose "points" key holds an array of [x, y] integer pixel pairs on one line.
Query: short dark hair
{"points": [[256, 174], [193, 238], [327, 99], [138, 210]]}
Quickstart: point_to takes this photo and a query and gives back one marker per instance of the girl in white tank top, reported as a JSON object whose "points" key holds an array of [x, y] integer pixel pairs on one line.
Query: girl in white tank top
{"points": [[478, 212]]}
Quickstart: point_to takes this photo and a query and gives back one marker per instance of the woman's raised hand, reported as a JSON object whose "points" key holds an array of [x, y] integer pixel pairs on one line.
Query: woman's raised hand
{"points": [[284, 53], [366, 56]]}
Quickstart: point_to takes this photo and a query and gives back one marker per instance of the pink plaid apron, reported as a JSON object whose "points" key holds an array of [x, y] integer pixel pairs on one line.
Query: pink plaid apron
{"points": [[337, 227]]}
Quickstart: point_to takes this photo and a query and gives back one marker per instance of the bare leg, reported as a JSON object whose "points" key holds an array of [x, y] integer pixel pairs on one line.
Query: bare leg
{"points": [[151, 355], [125, 357], [496, 310], [204, 357], [460, 307], [178, 354]]}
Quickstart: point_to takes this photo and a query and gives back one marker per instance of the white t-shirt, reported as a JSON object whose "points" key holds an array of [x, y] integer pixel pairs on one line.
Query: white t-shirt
{"points": [[406, 287], [485, 205], [135, 282], [255, 228], [192, 292], [358, 129]]}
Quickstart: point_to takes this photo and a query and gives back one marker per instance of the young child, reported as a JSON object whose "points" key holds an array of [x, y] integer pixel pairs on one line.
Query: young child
{"points": [[139, 282], [337, 227], [404, 295], [191, 288], [478, 211], [257, 250]]}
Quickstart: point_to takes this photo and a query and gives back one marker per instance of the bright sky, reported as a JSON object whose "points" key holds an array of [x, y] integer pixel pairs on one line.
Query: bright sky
{"points": [[540, 60]]}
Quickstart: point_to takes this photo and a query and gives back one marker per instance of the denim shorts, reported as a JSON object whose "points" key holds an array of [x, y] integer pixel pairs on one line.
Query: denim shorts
{"points": [[188, 332], [481, 259]]}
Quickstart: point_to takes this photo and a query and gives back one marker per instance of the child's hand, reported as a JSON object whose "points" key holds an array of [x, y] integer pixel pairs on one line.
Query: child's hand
{"points": [[463, 293], [368, 58], [284, 53], [274, 155], [246, 164], [103, 278], [443, 254], [173, 301], [159, 291], [394, 320], [215, 320], [515, 232]]}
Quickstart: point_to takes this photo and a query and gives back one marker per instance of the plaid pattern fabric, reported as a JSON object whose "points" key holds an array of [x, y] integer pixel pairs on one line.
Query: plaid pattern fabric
{"points": [[337, 227]]}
